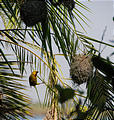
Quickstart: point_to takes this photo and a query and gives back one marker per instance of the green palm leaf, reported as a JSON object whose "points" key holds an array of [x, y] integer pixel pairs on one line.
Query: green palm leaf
{"points": [[13, 103]]}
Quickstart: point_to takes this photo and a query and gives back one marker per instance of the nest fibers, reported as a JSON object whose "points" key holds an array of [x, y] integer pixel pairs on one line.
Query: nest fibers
{"points": [[33, 11], [81, 69], [70, 4]]}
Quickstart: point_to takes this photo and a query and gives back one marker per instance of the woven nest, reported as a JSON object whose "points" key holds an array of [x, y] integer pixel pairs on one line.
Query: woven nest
{"points": [[70, 4], [81, 69], [32, 12]]}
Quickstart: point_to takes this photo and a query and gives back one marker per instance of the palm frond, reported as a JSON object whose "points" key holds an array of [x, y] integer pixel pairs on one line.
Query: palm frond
{"points": [[100, 93], [13, 103]]}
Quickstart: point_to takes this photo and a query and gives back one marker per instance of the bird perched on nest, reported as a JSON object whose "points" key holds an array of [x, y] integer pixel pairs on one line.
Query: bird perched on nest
{"points": [[33, 78]]}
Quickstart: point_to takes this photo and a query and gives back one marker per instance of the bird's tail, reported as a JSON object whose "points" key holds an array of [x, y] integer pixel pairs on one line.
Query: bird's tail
{"points": [[37, 95]]}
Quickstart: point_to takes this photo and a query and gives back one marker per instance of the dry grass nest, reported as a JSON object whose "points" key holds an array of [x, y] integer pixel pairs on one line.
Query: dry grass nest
{"points": [[33, 11], [70, 4], [81, 68]]}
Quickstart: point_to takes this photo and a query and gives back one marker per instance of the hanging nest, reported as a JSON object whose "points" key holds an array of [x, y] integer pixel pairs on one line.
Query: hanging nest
{"points": [[81, 69], [33, 11], [20, 1], [70, 4]]}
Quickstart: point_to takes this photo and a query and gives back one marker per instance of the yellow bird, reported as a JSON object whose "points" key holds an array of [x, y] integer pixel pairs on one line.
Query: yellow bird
{"points": [[33, 82], [33, 78]]}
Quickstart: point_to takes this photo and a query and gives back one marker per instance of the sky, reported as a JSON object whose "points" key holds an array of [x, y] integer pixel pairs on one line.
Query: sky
{"points": [[102, 12]]}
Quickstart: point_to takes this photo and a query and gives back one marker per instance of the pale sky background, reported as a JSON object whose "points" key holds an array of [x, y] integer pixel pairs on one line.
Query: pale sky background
{"points": [[101, 16]]}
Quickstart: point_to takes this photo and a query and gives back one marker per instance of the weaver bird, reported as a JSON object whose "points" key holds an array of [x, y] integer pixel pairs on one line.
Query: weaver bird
{"points": [[33, 78], [33, 82]]}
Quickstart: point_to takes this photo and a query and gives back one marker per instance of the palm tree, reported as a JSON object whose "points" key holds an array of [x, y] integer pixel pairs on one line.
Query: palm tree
{"points": [[47, 23]]}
